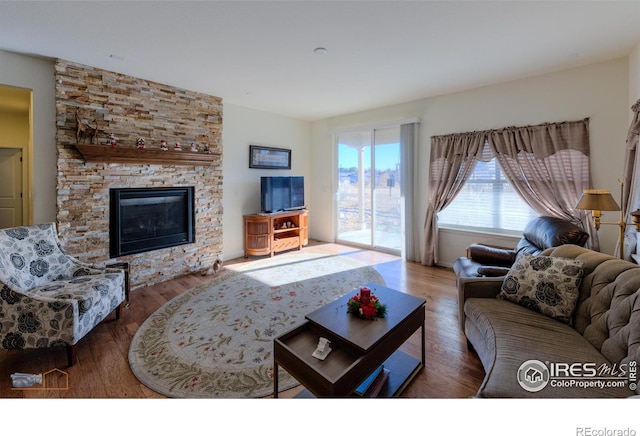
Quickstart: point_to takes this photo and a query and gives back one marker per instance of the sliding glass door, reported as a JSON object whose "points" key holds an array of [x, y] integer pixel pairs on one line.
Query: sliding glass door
{"points": [[368, 195]]}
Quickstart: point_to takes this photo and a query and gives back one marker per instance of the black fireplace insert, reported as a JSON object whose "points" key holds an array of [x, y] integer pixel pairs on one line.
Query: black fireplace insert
{"points": [[145, 219]]}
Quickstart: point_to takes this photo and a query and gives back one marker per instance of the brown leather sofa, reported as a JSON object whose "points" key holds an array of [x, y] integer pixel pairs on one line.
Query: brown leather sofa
{"points": [[540, 234]]}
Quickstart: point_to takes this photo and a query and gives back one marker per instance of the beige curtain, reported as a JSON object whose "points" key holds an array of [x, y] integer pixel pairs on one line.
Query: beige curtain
{"points": [[453, 157], [631, 192], [408, 170], [548, 165]]}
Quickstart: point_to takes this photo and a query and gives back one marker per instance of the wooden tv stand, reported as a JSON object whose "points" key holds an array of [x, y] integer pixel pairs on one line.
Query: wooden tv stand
{"points": [[271, 233]]}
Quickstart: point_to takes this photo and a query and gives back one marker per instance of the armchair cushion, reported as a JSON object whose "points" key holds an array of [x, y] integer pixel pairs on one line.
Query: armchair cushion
{"points": [[494, 256], [493, 271], [546, 232]]}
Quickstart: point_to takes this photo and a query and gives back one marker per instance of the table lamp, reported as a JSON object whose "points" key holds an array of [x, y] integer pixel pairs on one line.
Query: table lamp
{"points": [[597, 200]]}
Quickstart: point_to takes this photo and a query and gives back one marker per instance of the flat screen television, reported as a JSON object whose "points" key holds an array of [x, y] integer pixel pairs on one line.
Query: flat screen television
{"points": [[281, 193]]}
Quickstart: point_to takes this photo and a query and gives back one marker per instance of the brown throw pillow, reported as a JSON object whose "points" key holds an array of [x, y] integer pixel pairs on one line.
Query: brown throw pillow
{"points": [[549, 285]]}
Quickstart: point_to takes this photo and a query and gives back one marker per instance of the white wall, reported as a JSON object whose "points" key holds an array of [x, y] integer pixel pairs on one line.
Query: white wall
{"points": [[37, 74], [241, 185], [634, 77], [599, 92]]}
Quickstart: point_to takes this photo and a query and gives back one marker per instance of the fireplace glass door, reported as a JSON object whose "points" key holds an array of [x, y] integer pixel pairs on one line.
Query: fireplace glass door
{"points": [[150, 218]]}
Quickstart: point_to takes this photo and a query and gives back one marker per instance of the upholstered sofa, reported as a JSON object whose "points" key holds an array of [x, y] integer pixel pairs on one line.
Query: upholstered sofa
{"points": [[48, 298], [543, 232], [598, 343]]}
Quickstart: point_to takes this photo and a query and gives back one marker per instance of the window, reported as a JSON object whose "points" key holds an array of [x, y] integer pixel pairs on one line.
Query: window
{"points": [[487, 202]]}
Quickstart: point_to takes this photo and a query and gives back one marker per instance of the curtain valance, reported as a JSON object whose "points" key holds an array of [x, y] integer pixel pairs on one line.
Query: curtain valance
{"points": [[541, 140]]}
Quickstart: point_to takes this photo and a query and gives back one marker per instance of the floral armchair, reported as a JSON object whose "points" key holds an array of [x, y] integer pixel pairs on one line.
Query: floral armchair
{"points": [[48, 298]]}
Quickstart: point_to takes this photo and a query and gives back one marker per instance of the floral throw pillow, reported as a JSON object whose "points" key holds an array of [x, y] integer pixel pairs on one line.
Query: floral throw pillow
{"points": [[549, 285]]}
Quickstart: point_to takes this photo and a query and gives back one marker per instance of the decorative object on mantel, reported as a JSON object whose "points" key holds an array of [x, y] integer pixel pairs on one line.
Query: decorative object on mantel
{"points": [[132, 155], [163, 145], [83, 130], [140, 142], [80, 127], [194, 147], [112, 140], [207, 149], [177, 147], [365, 305]]}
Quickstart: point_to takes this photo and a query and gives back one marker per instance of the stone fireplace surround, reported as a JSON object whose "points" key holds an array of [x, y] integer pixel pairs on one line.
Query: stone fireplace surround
{"points": [[130, 107]]}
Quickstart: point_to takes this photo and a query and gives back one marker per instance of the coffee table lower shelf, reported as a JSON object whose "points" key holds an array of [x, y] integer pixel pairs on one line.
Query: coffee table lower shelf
{"points": [[402, 369]]}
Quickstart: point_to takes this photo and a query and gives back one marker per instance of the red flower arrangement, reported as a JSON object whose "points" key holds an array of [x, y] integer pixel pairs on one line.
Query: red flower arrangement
{"points": [[366, 306]]}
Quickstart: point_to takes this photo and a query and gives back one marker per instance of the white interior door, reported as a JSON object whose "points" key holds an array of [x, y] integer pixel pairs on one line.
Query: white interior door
{"points": [[10, 187]]}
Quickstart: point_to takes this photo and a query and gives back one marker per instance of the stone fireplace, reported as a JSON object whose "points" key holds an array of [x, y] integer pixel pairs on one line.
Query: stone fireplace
{"points": [[107, 103]]}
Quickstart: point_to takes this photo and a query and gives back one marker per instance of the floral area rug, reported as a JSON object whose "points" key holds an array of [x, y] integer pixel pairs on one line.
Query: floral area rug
{"points": [[216, 340]]}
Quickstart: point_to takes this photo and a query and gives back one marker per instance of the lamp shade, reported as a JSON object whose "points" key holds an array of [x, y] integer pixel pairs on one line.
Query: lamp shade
{"points": [[597, 199]]}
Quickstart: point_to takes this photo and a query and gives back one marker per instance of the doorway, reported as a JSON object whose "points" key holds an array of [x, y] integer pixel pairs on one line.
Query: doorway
{"points": [[368, 197], [15, 156], [10, 187]]}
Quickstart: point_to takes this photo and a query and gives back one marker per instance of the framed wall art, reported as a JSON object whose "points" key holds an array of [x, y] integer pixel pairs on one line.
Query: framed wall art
{"points": [[269, 157]]}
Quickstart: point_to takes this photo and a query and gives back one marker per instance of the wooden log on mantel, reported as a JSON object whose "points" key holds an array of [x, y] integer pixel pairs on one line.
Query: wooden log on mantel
{"points": [[107, 154]]}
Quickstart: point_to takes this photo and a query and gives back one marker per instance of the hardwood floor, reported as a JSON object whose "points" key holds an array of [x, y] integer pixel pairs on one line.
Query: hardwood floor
{"points": [[102, 369]]}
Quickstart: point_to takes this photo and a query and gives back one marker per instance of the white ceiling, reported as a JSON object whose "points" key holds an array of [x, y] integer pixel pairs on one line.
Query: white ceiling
{"points": [[259, 54]]}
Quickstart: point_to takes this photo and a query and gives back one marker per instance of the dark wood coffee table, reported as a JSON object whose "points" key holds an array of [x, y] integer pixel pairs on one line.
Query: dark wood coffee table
{"points": [[358, 346]]}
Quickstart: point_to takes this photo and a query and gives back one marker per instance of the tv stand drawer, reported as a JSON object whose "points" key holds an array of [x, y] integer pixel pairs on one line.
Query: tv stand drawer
{"points": [[281, 244]]}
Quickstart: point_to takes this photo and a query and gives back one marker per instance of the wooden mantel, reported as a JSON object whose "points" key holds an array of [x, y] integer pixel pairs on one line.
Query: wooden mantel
{"points": [[104, 153]]}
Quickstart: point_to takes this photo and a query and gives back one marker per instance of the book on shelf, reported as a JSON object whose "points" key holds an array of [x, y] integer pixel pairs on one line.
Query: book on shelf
{"points": [[375, 381], [377, 384]]}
